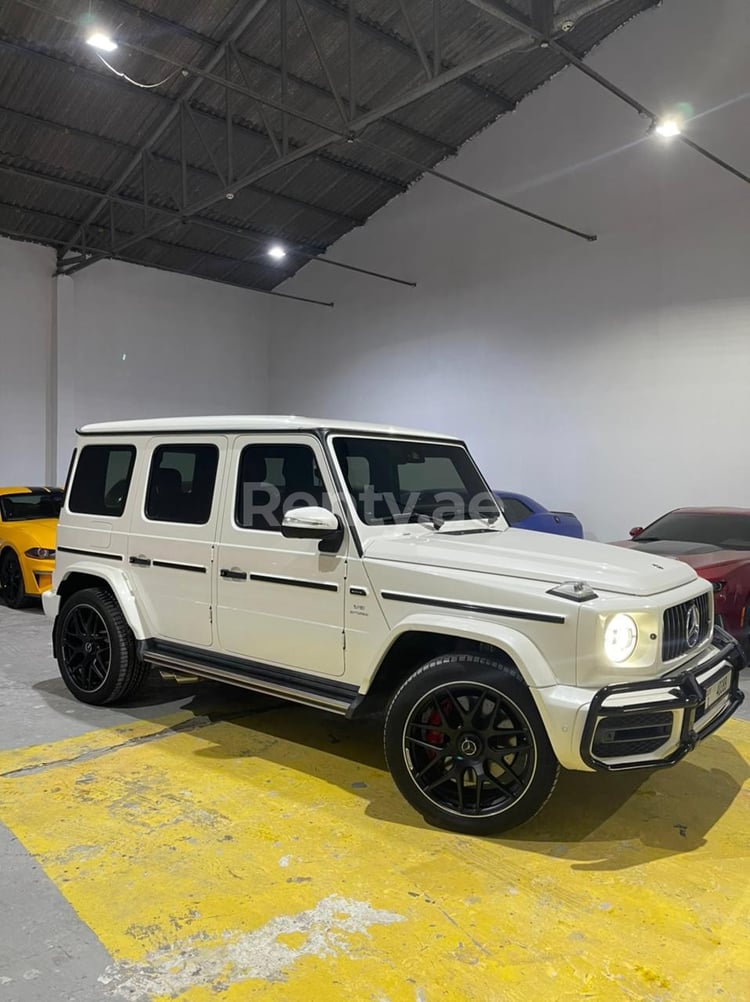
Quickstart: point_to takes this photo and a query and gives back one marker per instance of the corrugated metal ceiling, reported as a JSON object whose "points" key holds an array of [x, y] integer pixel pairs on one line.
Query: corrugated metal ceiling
{"points": [[69, 126]]}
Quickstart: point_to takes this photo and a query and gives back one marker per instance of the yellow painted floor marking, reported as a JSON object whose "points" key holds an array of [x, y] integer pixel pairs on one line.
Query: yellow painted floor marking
{"points": [[270, 857], [68, 749]]}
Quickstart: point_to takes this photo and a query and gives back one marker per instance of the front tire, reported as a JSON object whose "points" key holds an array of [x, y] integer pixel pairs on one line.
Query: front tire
{"points": [[96, 648], [11, 581], [466, 746]]}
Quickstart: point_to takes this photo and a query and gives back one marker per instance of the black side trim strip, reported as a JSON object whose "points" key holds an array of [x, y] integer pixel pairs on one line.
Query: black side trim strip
{"points": [[194, 568], [296, 582], [90, 553], [491, 610]]}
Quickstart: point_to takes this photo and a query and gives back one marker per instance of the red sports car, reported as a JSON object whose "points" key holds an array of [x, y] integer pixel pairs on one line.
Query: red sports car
{"points": [[716, 543]]}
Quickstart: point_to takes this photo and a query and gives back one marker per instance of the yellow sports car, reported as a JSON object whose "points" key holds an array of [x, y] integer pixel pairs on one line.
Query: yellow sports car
{"points": [[28, 524]]}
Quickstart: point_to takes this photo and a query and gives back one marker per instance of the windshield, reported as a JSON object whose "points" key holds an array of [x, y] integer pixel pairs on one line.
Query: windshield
{"points": [[728, 532], [25, 507], [393, 481]]}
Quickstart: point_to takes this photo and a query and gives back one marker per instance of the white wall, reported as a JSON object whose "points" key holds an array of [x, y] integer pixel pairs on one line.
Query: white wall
{"points": [[611, 378], [189, 346], [25, 306], [127, 342]]}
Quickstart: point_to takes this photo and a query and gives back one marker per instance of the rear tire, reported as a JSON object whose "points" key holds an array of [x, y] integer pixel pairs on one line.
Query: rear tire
{"points": [[96, 649], [466, 746], [11, 581]]}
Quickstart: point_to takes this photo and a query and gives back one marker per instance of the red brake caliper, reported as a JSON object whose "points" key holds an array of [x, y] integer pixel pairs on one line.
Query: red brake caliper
{"points": [[437, 738]]}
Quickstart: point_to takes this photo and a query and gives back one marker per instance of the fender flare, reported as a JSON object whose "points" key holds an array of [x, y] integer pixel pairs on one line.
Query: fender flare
{"points": [[526, 656], [120, 587]]}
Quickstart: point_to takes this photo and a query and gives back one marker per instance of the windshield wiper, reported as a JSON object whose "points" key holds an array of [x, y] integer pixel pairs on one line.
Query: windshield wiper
{"points": [[647, 539], [434, 521]]}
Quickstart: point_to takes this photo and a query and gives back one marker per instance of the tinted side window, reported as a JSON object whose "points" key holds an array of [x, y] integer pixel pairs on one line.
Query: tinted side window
{"points": [[274, 478], [181, 483], [515, 510], [102, 480]]}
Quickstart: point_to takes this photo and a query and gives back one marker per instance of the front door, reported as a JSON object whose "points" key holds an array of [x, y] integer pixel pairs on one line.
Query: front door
{"points": [[172, 536], [279, 601]]}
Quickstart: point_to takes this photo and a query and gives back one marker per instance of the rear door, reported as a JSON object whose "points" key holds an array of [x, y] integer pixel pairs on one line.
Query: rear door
{"points": [[172, 535]]}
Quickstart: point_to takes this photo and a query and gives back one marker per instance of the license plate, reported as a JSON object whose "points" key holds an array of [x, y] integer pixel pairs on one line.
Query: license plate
{"points": [[717, 689]]}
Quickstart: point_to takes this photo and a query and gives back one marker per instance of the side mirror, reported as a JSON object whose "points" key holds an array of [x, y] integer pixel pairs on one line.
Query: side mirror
{"points": [[314, 523], [634, 533]]}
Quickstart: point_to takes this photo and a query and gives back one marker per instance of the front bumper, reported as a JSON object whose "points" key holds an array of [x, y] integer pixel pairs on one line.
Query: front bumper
{"points": [[37, 575], [652, 724]]}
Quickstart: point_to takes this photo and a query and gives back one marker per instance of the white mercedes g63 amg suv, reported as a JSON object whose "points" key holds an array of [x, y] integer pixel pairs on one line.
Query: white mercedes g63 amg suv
{"points": [[358, 568]]}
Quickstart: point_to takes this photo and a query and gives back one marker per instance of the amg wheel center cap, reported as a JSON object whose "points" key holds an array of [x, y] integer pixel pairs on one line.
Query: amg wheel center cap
{"points": [[468, 746], [88, 647]]}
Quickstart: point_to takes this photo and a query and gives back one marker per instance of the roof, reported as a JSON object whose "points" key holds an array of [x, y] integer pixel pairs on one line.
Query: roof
{"points": [[97, 167], [708, 511], [247, 423]]}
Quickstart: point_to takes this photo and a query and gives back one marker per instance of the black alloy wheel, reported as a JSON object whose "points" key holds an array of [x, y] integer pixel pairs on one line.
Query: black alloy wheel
{"points": [[11, 581], [86, 648], [467, 747], [96, 648]]}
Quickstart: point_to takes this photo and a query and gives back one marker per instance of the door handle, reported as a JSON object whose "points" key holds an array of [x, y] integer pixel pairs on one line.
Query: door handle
{"points": [[233, 575], [140, 561]]}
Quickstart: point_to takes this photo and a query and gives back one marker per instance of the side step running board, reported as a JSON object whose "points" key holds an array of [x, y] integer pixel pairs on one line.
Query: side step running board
{"points": [[256, 678]]}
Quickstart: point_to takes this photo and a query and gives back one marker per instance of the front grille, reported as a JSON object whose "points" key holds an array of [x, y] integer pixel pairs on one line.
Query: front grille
{"points": [[621, 734], [675, 641]]}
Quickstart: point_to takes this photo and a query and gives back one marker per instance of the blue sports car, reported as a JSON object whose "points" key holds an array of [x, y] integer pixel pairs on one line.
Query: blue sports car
{"points": [[523, 512]]}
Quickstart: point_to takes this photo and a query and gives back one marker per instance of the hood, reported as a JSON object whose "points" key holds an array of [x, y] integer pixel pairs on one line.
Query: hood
{"points": [[41, 532], [533, 556], [705, 558]]}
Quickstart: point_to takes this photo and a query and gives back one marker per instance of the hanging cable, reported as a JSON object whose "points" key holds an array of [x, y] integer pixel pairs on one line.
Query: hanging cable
{"points": [[135, 83]]}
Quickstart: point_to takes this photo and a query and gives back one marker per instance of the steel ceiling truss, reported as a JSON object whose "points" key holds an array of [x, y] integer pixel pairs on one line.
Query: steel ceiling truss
{"points": [[202, 113], [350, 121], [107, 236], [299, 81], [275, 118]]}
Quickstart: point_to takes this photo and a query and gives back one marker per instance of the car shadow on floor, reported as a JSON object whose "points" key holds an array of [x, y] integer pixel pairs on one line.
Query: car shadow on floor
{"points": [[158, 697], [595, 821]]}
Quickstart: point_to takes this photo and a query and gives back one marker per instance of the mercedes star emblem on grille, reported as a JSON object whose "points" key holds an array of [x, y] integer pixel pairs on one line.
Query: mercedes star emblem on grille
{"points": [[692, 626]]}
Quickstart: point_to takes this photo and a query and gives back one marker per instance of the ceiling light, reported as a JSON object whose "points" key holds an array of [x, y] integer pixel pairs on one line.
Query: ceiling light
{"points": [[98, 40], [277, 252], [668, 127]]}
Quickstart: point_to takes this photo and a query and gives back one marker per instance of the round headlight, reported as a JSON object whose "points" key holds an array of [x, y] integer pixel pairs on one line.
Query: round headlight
{"points": [[620, 638]]}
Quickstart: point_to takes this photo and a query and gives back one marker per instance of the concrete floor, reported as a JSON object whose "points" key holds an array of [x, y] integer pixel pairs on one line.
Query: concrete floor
{"points": [[209, 844]]}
